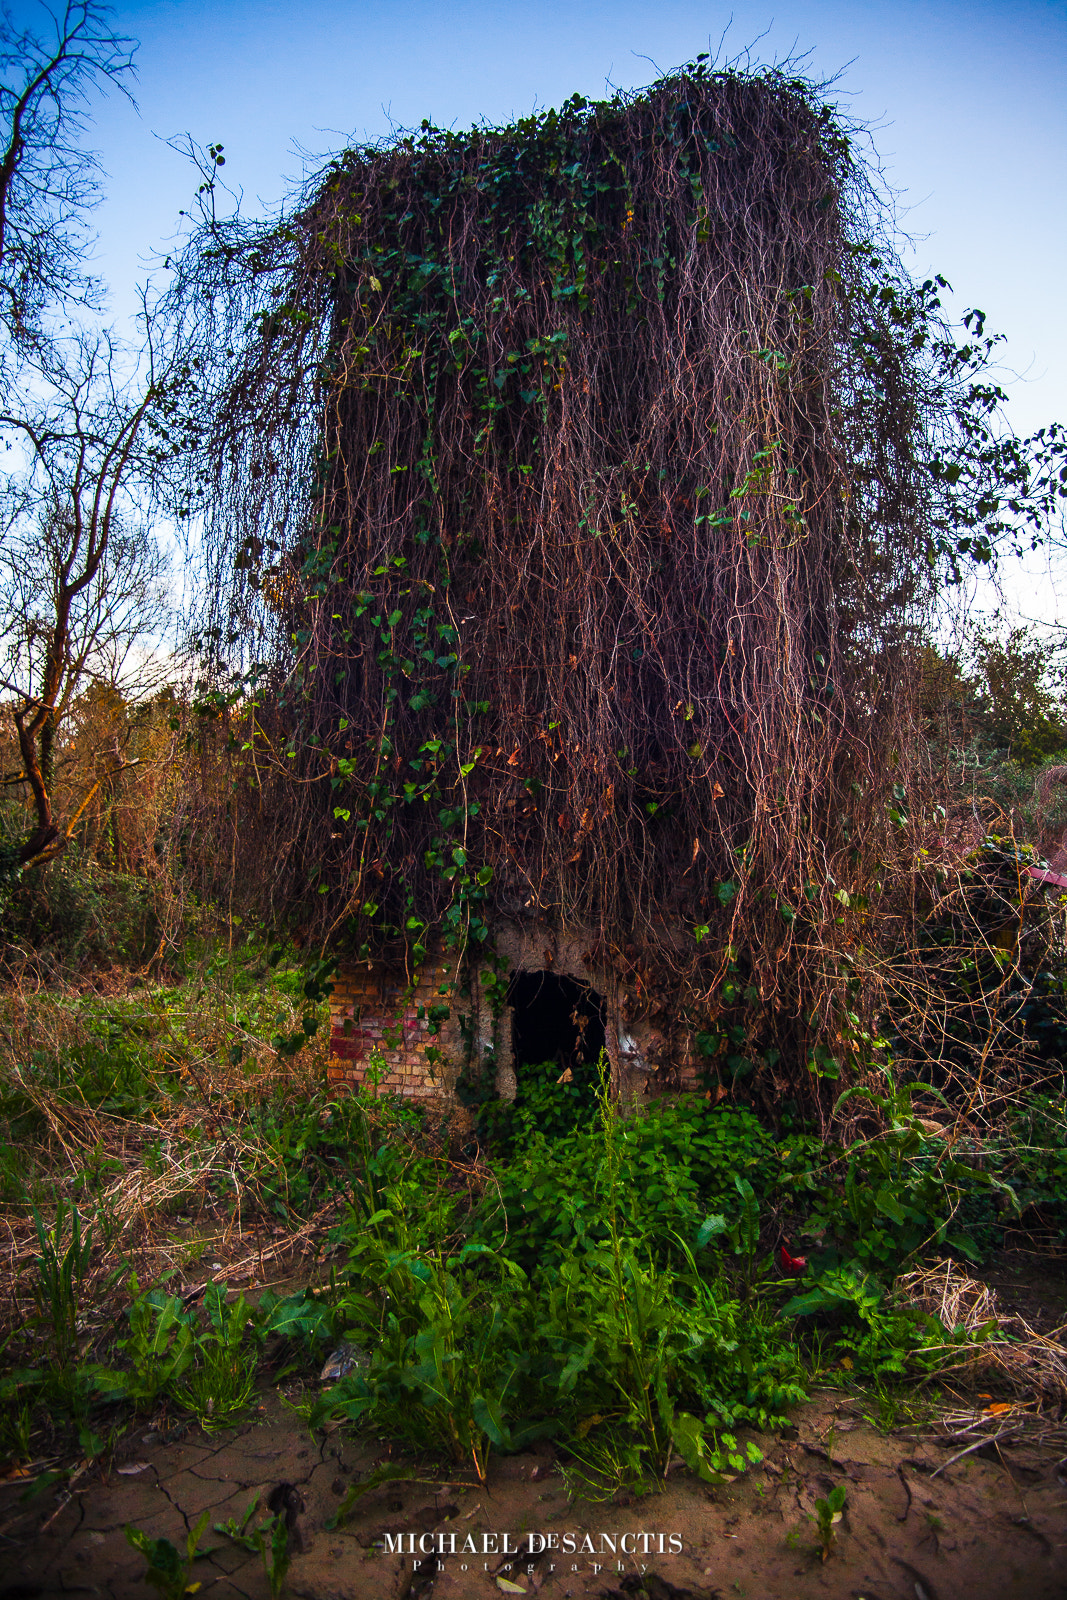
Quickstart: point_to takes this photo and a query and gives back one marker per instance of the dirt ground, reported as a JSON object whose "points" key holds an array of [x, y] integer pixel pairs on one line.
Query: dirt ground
{"points": [[969, 1499], [919, 1524]]}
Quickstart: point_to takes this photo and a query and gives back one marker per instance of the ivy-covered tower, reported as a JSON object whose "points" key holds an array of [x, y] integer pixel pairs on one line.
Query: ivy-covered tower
{"points": [[577, 466]]}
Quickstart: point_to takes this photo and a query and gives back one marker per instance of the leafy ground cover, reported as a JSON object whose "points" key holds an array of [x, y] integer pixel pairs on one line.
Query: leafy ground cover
{"points": [[193, 1221]]}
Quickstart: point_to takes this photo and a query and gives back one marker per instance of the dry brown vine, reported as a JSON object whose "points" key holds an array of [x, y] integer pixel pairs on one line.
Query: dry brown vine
{"points": [[579, 481]]}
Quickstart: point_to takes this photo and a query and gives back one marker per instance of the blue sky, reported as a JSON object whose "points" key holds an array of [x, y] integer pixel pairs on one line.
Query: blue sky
{"points": [[968, 103]]}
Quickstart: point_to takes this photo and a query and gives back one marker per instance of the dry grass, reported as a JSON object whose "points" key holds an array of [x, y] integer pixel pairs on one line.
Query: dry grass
{"points": [[177, 1189], [1009, 1352]]}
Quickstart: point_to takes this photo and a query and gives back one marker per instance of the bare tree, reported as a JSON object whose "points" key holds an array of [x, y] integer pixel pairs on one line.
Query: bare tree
{"points": [[48, 181], [88, 426], [80, 571]]}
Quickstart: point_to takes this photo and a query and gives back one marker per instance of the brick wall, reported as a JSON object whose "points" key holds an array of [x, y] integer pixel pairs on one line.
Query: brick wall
{"points": [[373, 1014], [376, 1015]]}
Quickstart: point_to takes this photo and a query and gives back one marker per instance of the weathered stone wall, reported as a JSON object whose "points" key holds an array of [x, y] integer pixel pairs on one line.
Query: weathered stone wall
{"points": [[383, 1030]]}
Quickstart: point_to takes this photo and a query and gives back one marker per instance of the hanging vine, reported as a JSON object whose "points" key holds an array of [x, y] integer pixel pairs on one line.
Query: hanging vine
{"points": [[584, 485]]}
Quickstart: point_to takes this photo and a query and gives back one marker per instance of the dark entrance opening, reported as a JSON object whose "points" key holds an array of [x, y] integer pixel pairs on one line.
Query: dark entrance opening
{"points": [[555, 1019]]}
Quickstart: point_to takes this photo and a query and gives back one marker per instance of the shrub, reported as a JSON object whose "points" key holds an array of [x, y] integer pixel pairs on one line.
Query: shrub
{"points": [[78, 911], [678, 1162], [603, 1331]]}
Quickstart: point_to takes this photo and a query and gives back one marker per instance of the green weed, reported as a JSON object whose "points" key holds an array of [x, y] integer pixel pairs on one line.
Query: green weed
{"points": [[220, 1386], [159, 1349], [18, 1393], [238, 1532], [626, 1358], [274, 1552], [446, 1363], [270, 1541], [828, 1513], [60, 1273], [169, 1571], [210, 1372], [222, 1380], [679, 1162]]}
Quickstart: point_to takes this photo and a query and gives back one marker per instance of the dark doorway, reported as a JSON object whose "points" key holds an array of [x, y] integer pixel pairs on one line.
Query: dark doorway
{"points": [[555, 1019]]}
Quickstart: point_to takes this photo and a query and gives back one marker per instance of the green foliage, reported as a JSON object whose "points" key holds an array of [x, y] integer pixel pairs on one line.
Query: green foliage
{"points": [[60, 1273], [446, 1372], [1032, 1160], [18, 1393], [1018, 700], [900, 1189], [274, 1553], [238, 1532], [221, 1383], [612, 1339], [159, 1349], [680, 1162], [317, 986], [743, 1234], [615, 1286], [169, 1571], [270, 1541], [208, 1371], [901, 1193], [310, 1149], [829, 1512], [874, 1338], [106, 1070], [544, 1106], [80, 912]]}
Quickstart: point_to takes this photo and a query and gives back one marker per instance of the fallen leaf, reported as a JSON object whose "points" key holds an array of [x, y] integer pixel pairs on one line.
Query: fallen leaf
{"points": [[130, 1469], [509, 1587]]}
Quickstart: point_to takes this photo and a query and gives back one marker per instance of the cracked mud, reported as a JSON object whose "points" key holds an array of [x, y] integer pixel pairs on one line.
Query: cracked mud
{"points": [[918, 1525]]}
